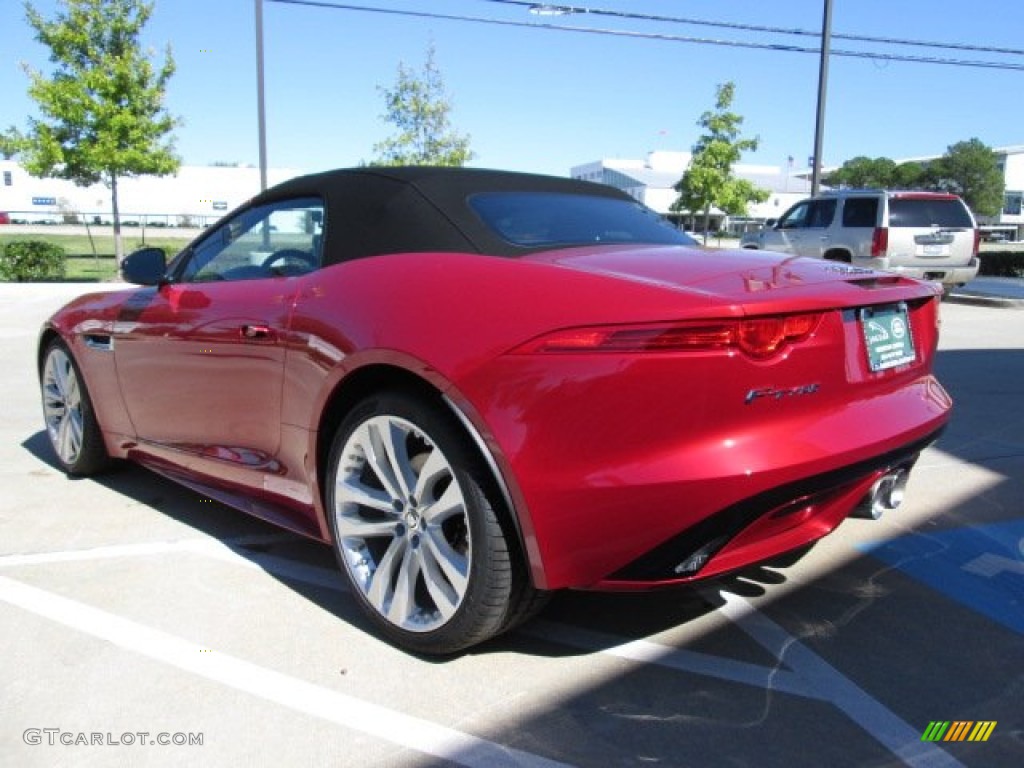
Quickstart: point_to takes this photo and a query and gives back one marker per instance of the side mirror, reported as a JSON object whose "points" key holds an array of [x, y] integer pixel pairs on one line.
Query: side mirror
{"points": [[770, 223], [147, 266]]}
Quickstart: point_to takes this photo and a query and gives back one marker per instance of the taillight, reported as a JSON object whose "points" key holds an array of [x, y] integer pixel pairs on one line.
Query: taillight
{"points": [[762, 337], [757, 337], [879, 242], [977, 242]]}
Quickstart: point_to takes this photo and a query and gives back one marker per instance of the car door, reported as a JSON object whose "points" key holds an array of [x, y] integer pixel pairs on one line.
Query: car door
{"points": [[200, 359], [803, 230], [816, 237], [787, 236], [857, 233]]}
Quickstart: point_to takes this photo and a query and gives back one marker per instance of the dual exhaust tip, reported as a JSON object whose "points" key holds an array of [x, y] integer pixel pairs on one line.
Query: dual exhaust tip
{"points": [[885, 495]]}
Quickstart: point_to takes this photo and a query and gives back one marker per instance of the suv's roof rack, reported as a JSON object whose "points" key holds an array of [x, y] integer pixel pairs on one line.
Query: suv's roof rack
{"points": [[888, 192]]}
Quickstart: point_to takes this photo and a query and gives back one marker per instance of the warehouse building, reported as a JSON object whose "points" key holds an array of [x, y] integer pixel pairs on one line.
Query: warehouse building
{"points": [[651, 181]]}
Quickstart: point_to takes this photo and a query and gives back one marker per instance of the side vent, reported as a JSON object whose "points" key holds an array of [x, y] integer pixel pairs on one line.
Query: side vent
{"points": [[100, 341]]}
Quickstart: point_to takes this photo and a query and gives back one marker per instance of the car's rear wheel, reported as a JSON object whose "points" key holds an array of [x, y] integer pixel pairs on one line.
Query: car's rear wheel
{"points": [[67, 410], [416, 529]]}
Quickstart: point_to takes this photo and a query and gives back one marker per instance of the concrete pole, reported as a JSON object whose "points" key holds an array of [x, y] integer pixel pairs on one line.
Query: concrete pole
{"points": [[261, 117], [819, 124]]}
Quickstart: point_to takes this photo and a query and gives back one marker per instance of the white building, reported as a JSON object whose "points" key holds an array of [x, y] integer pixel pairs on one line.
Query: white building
{"points": [[1011, 219], [199, 195], [194, 196], [651, 181]]}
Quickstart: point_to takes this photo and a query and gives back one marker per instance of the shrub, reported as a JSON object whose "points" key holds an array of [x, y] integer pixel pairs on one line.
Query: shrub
{"points": [[25, 260], [1002, 264]]}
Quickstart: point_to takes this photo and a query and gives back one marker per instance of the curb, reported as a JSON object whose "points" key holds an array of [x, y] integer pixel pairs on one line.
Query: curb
{"points": [[978, 300]]}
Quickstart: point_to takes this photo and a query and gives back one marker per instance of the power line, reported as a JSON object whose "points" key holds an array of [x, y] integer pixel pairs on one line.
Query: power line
{"points": [[888, 57], [576, 10]]}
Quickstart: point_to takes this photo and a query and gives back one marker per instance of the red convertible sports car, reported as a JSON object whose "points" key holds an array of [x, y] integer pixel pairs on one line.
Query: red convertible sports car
{"points": [[482, 386]]}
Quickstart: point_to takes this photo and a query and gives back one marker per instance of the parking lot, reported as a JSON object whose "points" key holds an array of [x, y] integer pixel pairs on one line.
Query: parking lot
{"points": [[146, 625]]}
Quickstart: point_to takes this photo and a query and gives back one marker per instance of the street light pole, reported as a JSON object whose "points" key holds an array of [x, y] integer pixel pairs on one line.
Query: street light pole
{"points": [[819, 124], [261, 117]]}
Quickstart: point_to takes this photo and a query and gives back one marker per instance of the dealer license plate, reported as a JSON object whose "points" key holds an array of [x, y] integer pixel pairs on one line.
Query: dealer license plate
{"points": [[887, 336]]}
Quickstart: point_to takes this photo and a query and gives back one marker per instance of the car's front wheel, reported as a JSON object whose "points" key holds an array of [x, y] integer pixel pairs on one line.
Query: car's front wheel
{"points": [[67, 410], [415, 527]]}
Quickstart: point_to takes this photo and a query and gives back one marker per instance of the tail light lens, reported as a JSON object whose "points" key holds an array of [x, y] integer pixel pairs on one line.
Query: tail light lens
{"points": [[977, 241], [757, 337], [879, 242], [764, 336]]}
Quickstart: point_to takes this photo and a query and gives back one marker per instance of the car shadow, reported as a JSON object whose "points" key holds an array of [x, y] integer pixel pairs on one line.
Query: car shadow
{"points": [[309, 568], [864, 637], [980, 381], [987, 426]]}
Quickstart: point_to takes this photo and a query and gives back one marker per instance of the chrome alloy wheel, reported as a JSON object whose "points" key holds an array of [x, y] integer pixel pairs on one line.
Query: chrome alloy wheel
{"points": [[402, 523], [62, 406]]}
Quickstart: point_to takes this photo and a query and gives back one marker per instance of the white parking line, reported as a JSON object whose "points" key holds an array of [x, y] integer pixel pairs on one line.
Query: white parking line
{"points": [[799, 671], [870, 714], [390, 725], [213, 547], [680, 659], [228, 550]]}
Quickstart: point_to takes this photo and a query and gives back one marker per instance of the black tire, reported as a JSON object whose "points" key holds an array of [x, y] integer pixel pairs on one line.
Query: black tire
{"points": [[527, 602], [418, 527], [840, 256], [71, 425]]}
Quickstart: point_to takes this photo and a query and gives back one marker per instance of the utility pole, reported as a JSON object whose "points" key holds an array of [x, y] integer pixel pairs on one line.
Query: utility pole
{"points": [[261, 117], [819, 124]]}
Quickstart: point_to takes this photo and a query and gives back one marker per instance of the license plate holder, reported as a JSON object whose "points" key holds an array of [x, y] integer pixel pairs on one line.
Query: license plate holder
{"points": [[887, 336]]}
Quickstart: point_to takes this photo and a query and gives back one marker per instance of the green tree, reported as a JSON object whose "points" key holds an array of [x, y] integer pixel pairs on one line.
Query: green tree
{"points": [[102, 114], [970, 169], [876, 173], [420, 110], [864, 173], [908, 176], [708, 181], [10, 141]]}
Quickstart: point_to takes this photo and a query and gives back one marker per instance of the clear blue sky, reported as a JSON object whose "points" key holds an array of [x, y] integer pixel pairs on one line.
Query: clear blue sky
{"points": [[544, 101]]}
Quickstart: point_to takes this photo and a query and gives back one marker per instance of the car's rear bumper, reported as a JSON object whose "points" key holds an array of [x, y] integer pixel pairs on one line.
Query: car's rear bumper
{"points": [[626, 490], [764, 526], [947, 275]]}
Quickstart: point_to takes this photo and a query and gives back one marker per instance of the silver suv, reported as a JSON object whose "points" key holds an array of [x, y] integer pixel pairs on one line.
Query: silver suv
{"points": [[929, 235]]}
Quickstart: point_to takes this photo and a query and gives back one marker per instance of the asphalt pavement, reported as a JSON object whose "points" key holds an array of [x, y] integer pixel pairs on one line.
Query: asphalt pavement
{"points": [[145, 625]]}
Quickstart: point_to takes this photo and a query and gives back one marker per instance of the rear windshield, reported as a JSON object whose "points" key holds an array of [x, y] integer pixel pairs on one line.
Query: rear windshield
{"points": [[541, 219], [910, 212]]}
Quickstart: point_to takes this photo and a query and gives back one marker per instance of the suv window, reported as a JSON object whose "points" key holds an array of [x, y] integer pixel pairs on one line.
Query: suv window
{"points": [[809, 213], [919, 212], [796, 217], [860, 212], [822, 213]]}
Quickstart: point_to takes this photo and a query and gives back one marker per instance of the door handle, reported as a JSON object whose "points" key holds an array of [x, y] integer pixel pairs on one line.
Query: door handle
{"points": [[256, 332]]}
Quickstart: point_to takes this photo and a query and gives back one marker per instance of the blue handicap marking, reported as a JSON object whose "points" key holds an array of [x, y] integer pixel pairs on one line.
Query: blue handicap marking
{"points": [[980, 566]]}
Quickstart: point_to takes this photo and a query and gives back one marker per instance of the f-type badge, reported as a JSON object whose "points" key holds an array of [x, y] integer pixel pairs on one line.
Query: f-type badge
{"points": [[780, 393]]}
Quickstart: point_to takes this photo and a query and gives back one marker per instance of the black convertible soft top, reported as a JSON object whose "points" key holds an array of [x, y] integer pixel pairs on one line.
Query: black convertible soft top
{"points": [[378, 210]]}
